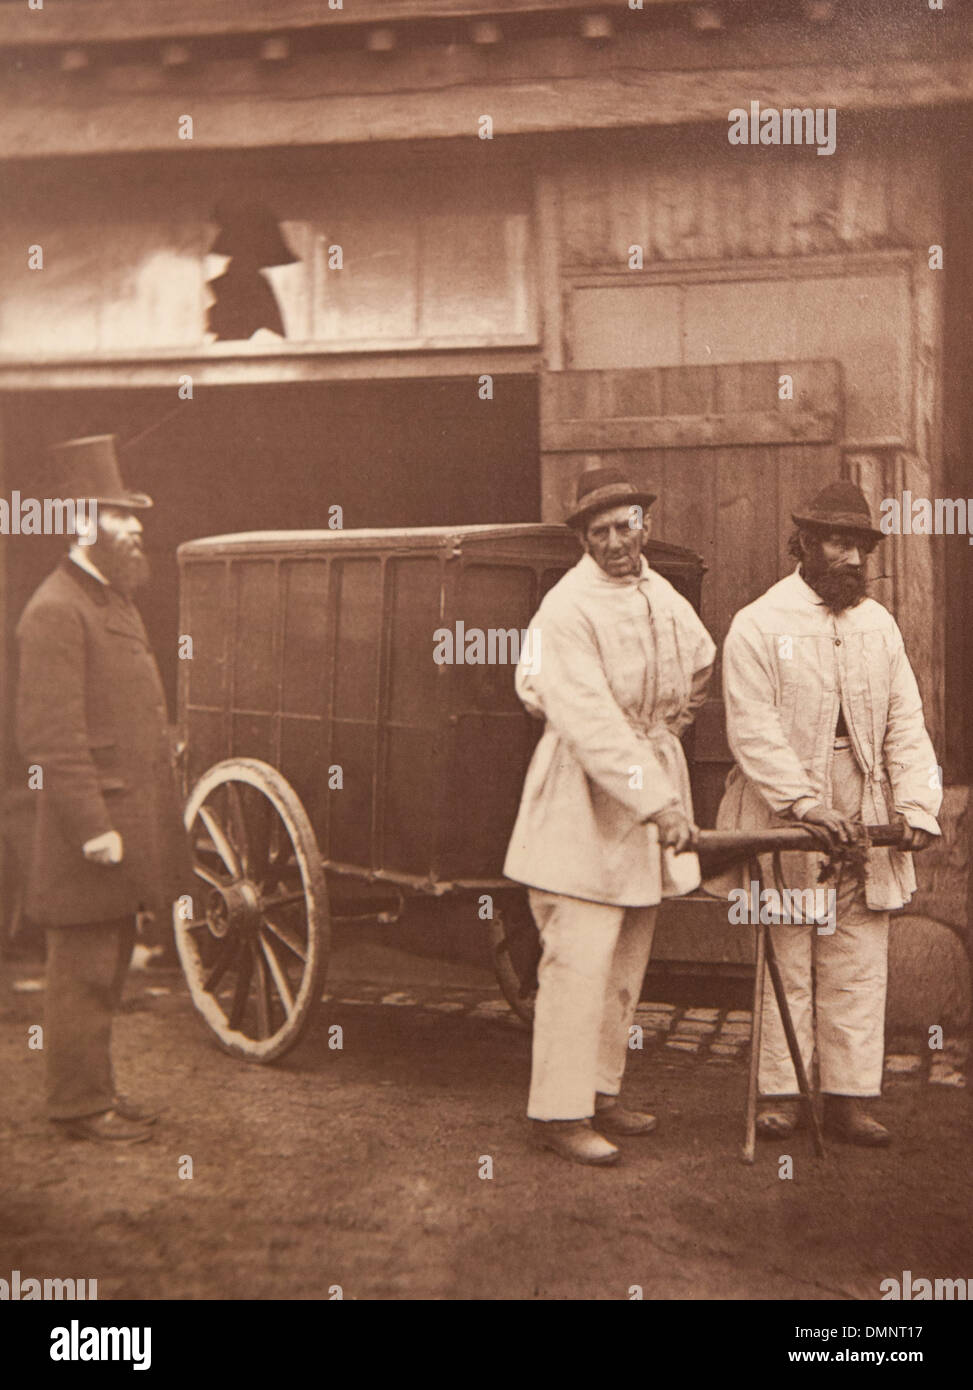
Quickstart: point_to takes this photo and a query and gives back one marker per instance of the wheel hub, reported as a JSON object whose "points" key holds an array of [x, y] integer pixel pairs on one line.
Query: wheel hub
{"points": [[235, 908]]}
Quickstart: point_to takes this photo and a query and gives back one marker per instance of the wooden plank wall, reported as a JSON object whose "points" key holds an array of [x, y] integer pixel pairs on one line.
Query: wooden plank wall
{"points": [[911, 572], [691, 204], [713, 201]]}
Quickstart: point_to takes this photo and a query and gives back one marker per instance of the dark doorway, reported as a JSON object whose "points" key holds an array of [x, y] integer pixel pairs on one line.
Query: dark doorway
{"points": [[278, 457]]}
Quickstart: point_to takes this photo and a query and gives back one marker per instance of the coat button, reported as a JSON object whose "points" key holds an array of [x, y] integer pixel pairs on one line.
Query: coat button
{"points": [[837, 641]]}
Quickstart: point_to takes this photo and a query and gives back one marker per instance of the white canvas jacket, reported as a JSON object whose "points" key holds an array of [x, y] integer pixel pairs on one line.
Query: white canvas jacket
{"points": [[788, 663], [623, 666]]}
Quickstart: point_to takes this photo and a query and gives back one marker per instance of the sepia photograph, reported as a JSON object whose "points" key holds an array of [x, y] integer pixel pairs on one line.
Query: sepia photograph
{"points": [[486, 558]]}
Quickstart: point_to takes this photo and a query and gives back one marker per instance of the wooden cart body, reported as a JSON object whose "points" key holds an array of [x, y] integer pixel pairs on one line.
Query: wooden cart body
{"points": [[314, 655], [314, 651]]}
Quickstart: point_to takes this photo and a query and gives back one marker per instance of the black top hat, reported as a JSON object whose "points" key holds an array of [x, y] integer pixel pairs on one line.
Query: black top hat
{"points": [[249, 229], [89, 468], [605, 487], [840, 506]]}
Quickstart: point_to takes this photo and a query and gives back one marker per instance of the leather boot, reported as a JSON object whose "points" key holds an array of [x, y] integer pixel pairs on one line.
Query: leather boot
{"points": [[611, 1117], [847, 1118], [131, 1110], [107, 1128], [575, 1140], [777, 1119]]}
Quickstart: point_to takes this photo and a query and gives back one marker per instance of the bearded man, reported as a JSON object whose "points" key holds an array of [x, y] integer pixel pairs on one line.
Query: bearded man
{"points": [[108, 840], [825, 722], [623, 663]]}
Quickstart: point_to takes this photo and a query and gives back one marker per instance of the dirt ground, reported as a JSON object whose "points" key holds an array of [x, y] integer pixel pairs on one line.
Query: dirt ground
{"points": [[360, 1168]]}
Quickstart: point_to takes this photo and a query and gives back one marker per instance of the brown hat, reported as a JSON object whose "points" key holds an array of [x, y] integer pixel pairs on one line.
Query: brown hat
{"points": [[605, 487], [89, 468], [840, 506]]}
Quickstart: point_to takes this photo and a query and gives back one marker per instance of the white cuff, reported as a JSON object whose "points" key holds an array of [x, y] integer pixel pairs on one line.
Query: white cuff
{"points": [[920, 820]]}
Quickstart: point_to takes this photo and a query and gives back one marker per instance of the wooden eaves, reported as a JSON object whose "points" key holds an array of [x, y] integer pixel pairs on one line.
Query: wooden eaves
{"points": [[120, 21]]}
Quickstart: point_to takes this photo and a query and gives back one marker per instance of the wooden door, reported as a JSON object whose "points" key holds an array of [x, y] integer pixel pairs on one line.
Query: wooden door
{"points": [[731, 451]]}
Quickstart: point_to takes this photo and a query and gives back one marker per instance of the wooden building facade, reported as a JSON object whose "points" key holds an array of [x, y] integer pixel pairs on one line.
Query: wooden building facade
{"points": [[522, 239]]}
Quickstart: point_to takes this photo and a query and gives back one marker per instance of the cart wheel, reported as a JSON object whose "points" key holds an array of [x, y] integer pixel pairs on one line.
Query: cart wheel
{"points": [[255, 953], [516, 948]]}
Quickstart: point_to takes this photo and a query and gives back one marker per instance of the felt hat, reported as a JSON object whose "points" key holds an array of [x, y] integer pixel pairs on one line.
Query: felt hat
{"points": [[840, 506], [89, 468], [600, 488]]}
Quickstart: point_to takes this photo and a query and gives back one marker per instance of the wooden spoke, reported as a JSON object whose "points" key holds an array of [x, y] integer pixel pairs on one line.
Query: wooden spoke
{"points": [[222, 845], [279, 978], [242, 991], [236, 826], [228, 950], [297, 948], [208, 876], [263, 994], [284, 899], [279, 845], [261, 820]]}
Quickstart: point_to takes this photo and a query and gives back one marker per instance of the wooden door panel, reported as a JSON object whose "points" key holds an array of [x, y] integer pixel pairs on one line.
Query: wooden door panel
{"points": [[747, 523], [684, 513]]}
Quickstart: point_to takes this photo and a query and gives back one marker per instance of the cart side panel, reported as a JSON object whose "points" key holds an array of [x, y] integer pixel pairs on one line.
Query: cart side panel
{"points": [[491, 737], [686, 578], [254, 667], [204, 603], [414, 717], [355, 707], [307, 636]]}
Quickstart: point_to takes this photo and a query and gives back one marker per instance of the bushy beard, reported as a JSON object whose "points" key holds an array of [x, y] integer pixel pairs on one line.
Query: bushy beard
{"points": [[840, 586], [122, 561]]}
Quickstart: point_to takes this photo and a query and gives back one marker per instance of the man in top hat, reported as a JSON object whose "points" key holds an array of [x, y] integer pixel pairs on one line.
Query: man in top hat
{"points": [[825, 722], [606, 815], [108, 840]]}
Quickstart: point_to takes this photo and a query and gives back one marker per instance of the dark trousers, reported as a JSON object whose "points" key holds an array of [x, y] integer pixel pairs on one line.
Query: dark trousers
{"points": [[86, 968]]}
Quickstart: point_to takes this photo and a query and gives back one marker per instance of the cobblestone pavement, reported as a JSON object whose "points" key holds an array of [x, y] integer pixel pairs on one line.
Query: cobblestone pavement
{"points": [[713, 1035]]}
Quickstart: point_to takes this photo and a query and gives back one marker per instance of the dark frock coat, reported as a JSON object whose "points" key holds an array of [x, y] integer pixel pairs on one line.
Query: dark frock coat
{"points": [[91, 714]]}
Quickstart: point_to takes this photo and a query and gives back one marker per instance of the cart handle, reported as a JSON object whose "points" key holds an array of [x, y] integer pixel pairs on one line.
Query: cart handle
{"points": [[718, 849]]}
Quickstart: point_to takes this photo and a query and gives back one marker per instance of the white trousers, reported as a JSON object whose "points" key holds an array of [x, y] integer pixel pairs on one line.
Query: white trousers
{"points": [[590, 981], [835, 984]]}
